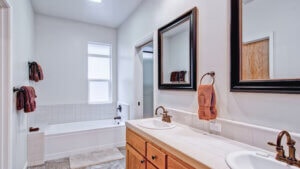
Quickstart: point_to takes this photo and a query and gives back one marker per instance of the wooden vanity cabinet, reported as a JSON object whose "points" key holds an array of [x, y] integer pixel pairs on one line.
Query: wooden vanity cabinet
{"points": [[142, 154]]}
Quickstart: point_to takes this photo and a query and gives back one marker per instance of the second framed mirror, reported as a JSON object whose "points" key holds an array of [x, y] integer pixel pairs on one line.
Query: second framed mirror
{"points": [[177, 52]]}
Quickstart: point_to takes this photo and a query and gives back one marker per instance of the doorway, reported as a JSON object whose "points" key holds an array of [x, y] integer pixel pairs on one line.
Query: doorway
{"points": [[144, 76], [148, 80]]}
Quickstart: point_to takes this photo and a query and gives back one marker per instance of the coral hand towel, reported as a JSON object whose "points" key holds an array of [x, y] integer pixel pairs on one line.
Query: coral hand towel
{"points": [[207, 102]]}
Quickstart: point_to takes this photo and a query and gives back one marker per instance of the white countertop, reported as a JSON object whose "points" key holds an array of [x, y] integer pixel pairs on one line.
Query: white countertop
{"points": [[195, 146]]}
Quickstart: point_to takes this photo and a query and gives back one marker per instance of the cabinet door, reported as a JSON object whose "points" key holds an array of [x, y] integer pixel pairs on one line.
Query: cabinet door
{"points": [[136, 141], [133, 159], [174, 164], [150, 166]]}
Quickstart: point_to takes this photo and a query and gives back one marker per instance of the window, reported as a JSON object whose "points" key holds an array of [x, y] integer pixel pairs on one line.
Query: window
{"points": [[99, 72]]}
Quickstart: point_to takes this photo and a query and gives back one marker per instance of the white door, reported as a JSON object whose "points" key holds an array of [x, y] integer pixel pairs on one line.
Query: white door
{"points": [[147, 84]]}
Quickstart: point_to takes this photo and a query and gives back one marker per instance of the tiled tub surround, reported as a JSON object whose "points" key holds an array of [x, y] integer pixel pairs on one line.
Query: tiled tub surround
{"points": [[257, 136], [68, 113], [193, 146]]}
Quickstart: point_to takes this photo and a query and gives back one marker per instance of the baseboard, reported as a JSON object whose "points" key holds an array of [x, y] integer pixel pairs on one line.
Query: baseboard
{"points": [[55, 156]]}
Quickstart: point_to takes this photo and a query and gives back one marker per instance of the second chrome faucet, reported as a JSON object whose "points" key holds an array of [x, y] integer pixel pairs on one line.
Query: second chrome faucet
{"points": [[291, 159], [165, 116]]}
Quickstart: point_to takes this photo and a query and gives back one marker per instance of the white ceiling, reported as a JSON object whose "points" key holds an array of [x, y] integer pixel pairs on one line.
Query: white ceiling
{"points": [[109, 13]]}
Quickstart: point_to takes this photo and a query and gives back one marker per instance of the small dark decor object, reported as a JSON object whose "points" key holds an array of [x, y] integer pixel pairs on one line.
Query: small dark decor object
{"points": [[33, 129], [178, 76], [182, 76], [174, 77]]}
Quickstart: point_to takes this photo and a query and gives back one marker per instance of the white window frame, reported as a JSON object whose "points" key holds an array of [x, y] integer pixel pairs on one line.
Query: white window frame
{"points": [[101, 80]]}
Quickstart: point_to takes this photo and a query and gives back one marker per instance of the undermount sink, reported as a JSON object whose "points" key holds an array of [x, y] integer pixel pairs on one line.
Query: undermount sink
{"points": [[254, 160], [156, 124]]}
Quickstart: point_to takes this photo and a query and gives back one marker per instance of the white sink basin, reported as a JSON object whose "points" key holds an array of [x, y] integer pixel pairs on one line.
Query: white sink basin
{"points": [[254, 160], [156, 124]]}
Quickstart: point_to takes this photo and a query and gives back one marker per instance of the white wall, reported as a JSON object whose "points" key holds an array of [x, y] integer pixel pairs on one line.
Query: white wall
{"points": [[272, 110], [22, 40], [281, 18], [61, 49]]}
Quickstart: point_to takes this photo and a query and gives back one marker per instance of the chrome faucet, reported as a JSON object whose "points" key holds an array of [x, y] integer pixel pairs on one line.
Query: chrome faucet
{"points": [[165, 116], [280, 156], [160, 107]]}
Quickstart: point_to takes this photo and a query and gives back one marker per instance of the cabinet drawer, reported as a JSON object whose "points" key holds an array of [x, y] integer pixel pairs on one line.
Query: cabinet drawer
{"points": [[133, 159], [156, 157], [136, 142], [174, 164]]}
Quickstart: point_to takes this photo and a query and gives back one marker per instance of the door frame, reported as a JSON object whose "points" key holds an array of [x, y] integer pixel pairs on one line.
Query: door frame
{"points": [[148, 38], [5, 86]]}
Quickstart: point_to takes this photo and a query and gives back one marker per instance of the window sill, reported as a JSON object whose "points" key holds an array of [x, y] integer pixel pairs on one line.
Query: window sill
{"points": [[107, 102]]}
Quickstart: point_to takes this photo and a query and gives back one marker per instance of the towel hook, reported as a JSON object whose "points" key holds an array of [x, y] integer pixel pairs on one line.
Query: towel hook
{"points": [[212, 74]]}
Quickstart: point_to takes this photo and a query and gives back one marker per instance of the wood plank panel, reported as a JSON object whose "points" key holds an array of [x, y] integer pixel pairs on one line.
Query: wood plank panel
{"points": [[255, 60]]}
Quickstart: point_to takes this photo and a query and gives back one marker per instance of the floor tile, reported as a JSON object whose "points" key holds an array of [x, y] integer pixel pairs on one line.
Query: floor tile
{"points": [[58, 164], [65, 163]]}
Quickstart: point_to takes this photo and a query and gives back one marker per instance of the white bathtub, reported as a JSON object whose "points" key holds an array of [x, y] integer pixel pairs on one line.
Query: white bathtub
{"points": [[63, 140]]}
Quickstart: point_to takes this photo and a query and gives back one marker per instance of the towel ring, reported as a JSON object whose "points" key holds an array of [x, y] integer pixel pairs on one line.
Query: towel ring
{"points": [[212, 74]]}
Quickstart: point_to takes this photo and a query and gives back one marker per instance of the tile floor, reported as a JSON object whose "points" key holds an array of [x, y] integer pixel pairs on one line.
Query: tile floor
{"points": [[64, 163]]}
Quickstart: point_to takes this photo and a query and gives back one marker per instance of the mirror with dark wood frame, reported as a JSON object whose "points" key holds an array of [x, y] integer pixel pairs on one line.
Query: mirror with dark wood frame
{"points": [[177, 43], [264, 46]]}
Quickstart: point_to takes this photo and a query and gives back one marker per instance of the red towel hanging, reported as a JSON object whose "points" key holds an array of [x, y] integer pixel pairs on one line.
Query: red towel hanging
{"points": [[26, 99]]}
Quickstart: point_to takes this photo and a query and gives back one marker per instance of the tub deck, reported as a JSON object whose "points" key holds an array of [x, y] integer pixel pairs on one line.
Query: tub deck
{"points": [[64, 140]]}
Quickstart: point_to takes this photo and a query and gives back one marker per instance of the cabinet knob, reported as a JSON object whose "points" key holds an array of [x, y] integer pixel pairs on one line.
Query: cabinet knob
{"points": [[142, 161], [153, 157]]}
